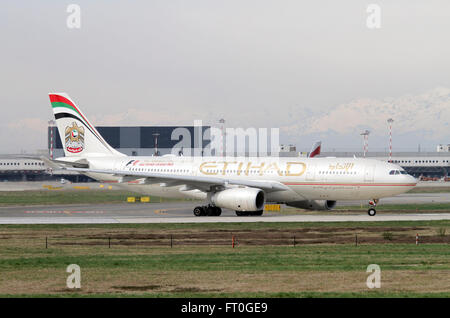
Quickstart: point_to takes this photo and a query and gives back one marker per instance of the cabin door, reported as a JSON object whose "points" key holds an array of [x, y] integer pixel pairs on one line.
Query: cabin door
{"points": [[368, 173]]}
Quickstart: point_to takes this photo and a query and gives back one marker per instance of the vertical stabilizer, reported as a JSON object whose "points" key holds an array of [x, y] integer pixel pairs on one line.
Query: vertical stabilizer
{"points": [[315, 150], [79, 137]]}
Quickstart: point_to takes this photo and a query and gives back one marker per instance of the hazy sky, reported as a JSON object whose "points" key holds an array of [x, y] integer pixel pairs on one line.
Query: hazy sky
{"points": [[312, 68]]}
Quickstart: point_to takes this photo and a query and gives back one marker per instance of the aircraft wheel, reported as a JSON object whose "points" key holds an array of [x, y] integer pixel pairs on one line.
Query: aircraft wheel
{"points": [[218, 211], [241, 213], [258, 213], [209, 210], [199, 211], [371, 212]]}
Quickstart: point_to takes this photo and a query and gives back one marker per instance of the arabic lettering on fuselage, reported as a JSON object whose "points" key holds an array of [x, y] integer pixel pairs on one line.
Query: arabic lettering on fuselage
{"points": [[339, 166]]}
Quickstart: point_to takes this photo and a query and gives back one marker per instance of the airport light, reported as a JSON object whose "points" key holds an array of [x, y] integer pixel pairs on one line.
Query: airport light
{"points": [[156, 143], [365, 135], [222, 129], [51, 124], [390, 121]]}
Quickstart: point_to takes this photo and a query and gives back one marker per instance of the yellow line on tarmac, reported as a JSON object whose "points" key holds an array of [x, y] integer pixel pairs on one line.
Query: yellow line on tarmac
{"points": [[163, 211]]}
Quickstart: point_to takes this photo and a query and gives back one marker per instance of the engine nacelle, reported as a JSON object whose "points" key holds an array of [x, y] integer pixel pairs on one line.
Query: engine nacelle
{"points": [[240, 199], [313, 204]]}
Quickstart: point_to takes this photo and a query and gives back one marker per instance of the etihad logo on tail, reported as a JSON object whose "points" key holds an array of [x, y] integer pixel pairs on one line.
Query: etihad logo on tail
{"points": [[74, 138]]}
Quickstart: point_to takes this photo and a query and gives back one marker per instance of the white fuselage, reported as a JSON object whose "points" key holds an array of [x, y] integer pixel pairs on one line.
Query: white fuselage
{"points": [[307, 178]]}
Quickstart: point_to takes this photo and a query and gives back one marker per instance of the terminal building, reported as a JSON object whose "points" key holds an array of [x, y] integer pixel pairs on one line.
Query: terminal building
{"points": [[14, 168]]}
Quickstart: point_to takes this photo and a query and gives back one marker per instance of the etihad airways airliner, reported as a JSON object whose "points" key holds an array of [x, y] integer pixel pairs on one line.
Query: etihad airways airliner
{"points": [[242, 184]]}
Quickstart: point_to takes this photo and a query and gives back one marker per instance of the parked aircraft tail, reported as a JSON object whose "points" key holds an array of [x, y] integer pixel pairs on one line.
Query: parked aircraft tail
{"points": [[315, 150]]}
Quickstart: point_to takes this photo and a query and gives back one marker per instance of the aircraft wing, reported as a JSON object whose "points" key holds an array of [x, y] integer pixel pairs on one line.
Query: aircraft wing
{"points": [[57, 164], [193, 182]]}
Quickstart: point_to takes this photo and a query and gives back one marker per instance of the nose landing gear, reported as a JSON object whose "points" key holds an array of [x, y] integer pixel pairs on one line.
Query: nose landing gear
{"points": [[371, 211]]}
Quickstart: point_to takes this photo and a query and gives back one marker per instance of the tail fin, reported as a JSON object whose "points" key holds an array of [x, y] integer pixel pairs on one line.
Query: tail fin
{"points": [[315, 150], [79, 138]]}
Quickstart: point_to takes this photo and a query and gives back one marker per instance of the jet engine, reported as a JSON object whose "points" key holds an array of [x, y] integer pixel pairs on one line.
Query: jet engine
{"points": [[313, 204], [240, 199]]}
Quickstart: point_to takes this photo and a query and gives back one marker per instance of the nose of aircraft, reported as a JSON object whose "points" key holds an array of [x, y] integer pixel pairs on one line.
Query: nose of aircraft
{"points": [[411, 179]]}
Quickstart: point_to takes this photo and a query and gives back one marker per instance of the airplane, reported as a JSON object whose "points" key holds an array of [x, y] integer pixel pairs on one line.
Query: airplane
{"points": [[242, 184]]}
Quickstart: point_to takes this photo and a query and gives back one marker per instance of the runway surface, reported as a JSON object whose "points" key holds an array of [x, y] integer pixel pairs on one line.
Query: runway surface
{"points": [[181, 212]]}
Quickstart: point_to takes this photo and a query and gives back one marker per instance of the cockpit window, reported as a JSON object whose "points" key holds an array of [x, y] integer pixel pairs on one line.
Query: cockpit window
{"points": [[392, 172]]}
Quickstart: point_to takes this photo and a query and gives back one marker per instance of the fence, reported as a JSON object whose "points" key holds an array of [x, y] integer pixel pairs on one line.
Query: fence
{"points": [[214, 239]]}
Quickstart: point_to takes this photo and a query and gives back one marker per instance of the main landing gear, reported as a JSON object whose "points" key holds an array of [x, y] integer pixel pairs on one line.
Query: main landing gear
{"points": [[207, 210], [371, 211]]}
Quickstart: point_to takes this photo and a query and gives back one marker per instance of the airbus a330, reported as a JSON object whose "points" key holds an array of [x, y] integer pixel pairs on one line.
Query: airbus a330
{"points": [[242, 184]]}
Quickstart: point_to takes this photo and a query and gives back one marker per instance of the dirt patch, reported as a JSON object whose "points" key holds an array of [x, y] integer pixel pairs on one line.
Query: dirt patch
{"points": [[137, 288], [193, 290]]}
